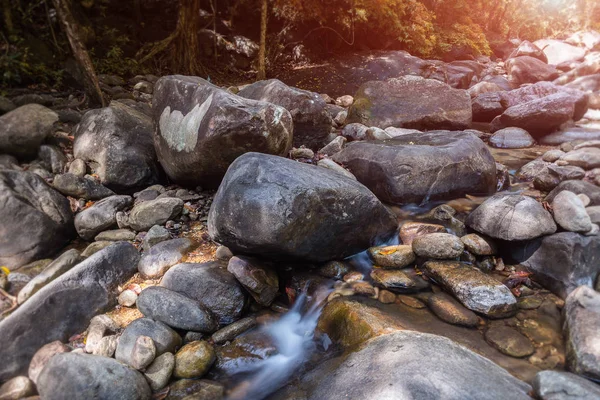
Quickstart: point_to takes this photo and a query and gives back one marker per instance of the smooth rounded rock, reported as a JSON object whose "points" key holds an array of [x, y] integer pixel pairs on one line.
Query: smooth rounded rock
{"points": [[411, 230], [155, 212], [446, 308], [84, 376], [17, 388], [512, 138], [560, 385], [159, 372], [193, 360], [511, 217], [156, 261], [175, 310], [394, 257], [479, 245], [570, 214], [509, 341], [438, 246], [42, 356], [259, 279]]}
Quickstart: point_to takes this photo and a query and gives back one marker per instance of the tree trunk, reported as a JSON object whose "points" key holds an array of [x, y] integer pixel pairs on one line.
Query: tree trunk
{"points": [[7, 17], [92, 86], [262, 50]]}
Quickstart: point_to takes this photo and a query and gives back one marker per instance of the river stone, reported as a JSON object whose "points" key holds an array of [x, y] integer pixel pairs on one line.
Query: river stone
{"points": [[211, 285], [17, 388], [259, 279], [201, 129], [569, 212], [438, 246], [394, 280], [42, 356], [570, 134], [52, 158], [115, 235], [23, 130], [116, 142], [154, 212], [107, 346], [525, 69], [64, 307], [62, 264], [143, 353], [411, 102], [526, 48], [303, 210], [165, 339], [578, 187], [203, 389], [478, 245], [594, 213], [100, 216], [511, 138], [77, 168], [542, 116], [582, 332], [312, 123], [79, 187], [84, 376], [99, 325], [446, 308], [416, 168], [159, 372], [409, 231], [586, 158], [511, 217], [155, 235], [553, 155], [193, 360], [558, 52], [417, 366], [155, 262], [560, 385], [393, 257], [36, 220], [563, 261], [175, 310], [474, 289], [509, 341]]}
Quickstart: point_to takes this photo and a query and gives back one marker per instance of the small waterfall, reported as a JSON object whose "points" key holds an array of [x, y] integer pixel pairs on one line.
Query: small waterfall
{"points": [[293, 336]]}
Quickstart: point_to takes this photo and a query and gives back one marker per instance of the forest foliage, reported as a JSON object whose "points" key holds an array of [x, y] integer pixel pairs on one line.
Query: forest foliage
{"points": [[34, 50]]}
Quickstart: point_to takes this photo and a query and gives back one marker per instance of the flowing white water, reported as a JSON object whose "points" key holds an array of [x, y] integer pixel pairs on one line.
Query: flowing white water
{"points": [[293, 336]]}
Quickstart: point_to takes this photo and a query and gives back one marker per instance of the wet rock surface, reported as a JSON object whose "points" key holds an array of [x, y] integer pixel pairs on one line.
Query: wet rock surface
{"points": [[287, 195], [417, 168]]}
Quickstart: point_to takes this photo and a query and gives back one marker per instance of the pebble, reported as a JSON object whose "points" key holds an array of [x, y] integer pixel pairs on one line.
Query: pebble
{"points": [[334, 270], [143, 353], [301, 153], [78, 168], [95, 247], [115, 235], [509, 341], [386, 297], [17, 388], [159, 372], [223, 253], [95, 332], [394, 280], [448, 309], [201, 389], [438, 246], [411, 230], [155, 235], [411, 302], [107, 346], [193, 360], [570, 213], [127, 298], [42, 356], [553, 155], [392, 256], [478, 245], [233, 330]]}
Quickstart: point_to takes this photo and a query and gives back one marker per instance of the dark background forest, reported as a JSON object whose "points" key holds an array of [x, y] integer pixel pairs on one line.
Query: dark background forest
{"points": [[220, 39]]}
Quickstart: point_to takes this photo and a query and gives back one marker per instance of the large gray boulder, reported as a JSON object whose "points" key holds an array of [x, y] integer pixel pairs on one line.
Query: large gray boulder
{"points": [[563, 261], [211, 285], [422, 167], [65, 306], [527, 69], [23, 130], [582, 332], [542, 116], [35, 220], [312, 123], [411, 102], [201, 129], [413, 365], [84, 376], [116, 142], [511, 217], [275, 207]]}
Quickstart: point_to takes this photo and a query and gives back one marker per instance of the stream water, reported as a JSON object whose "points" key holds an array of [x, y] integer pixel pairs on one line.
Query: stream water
{"points": [[293, 337]]}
